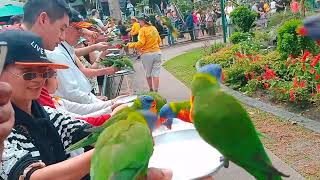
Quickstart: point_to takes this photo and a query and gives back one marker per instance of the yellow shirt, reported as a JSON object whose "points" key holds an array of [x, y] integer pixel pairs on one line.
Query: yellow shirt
{"points": [[135, 29], [148, 40]]}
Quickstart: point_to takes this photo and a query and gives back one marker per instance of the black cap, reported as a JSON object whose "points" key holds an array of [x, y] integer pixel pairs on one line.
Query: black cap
{"points": [[26, 49]]}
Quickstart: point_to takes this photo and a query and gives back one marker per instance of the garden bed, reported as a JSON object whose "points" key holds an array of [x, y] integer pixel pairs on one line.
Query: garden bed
{"points": [[295, 145]]}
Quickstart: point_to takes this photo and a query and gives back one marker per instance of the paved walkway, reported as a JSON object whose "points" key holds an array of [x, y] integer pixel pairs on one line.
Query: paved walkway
{"points": [[174, 90]]}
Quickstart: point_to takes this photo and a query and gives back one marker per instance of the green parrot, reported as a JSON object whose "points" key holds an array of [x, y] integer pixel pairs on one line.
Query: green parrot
{"points": [[123, 150], [223, 123], [180, 110], [141, 103]]}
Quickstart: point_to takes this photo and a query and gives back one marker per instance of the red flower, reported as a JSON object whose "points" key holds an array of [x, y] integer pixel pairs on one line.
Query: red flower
{"points": [[303, 84], [315, 61], [252, 75], [295, 82], [302, 31], [247, 76], [269, 74], [318, 88], [305, 55], [293, 61], [317, 77], [292, 95], [266, 85], [118, 46], [312, 71], [239, 55]]}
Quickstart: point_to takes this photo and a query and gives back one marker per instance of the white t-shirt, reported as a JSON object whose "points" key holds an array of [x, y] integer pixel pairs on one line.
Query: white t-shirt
{"points": [[73, 84], [273, 4]]}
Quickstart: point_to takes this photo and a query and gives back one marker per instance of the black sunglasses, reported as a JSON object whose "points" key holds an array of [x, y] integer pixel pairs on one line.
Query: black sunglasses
{"points": [[28, 76]]}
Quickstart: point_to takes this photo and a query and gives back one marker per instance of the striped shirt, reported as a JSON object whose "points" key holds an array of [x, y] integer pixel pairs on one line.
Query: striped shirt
{"points": [[42, 137]]}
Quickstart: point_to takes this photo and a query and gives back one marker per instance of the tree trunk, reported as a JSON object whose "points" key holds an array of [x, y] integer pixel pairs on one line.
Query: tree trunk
{"points": [[114, 7], [303, 8]]}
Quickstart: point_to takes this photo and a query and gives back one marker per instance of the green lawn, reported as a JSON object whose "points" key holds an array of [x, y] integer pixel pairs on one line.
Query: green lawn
{"points": [[183, 66]]}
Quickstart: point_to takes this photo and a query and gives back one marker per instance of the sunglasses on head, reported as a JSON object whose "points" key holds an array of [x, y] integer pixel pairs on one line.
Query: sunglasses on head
{"points": [[28, 76]]}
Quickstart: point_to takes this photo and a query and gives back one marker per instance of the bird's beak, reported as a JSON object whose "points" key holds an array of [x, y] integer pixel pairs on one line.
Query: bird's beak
{"points": [[154, 107], [159, 122], [222, 77]]}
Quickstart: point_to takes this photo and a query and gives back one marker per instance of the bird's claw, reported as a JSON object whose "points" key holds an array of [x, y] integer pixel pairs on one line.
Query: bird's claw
{"points": [[225, 161]]}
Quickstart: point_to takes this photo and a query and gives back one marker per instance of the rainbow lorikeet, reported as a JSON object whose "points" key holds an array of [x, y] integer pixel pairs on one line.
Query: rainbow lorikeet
{"points": [[124, 148], [181, 110], [141, 103], [161, 101], [223, 123]]}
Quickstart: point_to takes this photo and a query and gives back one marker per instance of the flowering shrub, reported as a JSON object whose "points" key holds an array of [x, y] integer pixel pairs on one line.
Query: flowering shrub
{"points": [[289, 42], [301, 83], [295, 80]]}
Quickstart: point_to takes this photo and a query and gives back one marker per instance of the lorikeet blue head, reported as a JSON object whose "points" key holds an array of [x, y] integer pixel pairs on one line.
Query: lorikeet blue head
{"points": [[214, 70], [148, 103], [150, 117], [166, 115]]}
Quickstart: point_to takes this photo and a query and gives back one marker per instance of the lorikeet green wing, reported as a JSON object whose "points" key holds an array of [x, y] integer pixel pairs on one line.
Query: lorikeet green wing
{"points": [[142, 102], [123, 151], [224, 123]]}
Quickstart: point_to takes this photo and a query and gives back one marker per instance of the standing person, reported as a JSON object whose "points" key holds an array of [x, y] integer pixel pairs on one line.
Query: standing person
{"points": [[171, 21], [280, 6], [228, 9], [134, 32], [123, 32], [95, 15], [273, 7], [7, 114], [190, 26], [149, 47], [210, 22], [160, 28], [294, 6], [195, 24], [217, 13]]}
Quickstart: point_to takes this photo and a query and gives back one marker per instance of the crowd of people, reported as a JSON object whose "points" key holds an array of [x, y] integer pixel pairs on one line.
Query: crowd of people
{"points": [[46, 99]]}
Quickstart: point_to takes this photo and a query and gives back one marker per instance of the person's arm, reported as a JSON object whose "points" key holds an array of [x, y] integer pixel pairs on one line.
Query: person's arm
{"points": [[101, 46], [94, 72], [6, 113], [141, 41], [85, 109], [74, 168]]}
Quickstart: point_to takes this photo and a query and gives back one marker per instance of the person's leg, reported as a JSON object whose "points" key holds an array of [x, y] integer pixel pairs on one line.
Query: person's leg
{"points": [[155, 82], [155, 73], [146, 60], [150, 84]]}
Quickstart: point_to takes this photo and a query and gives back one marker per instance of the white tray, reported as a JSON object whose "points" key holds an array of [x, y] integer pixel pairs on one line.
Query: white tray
{"points": [[184, 152]]}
